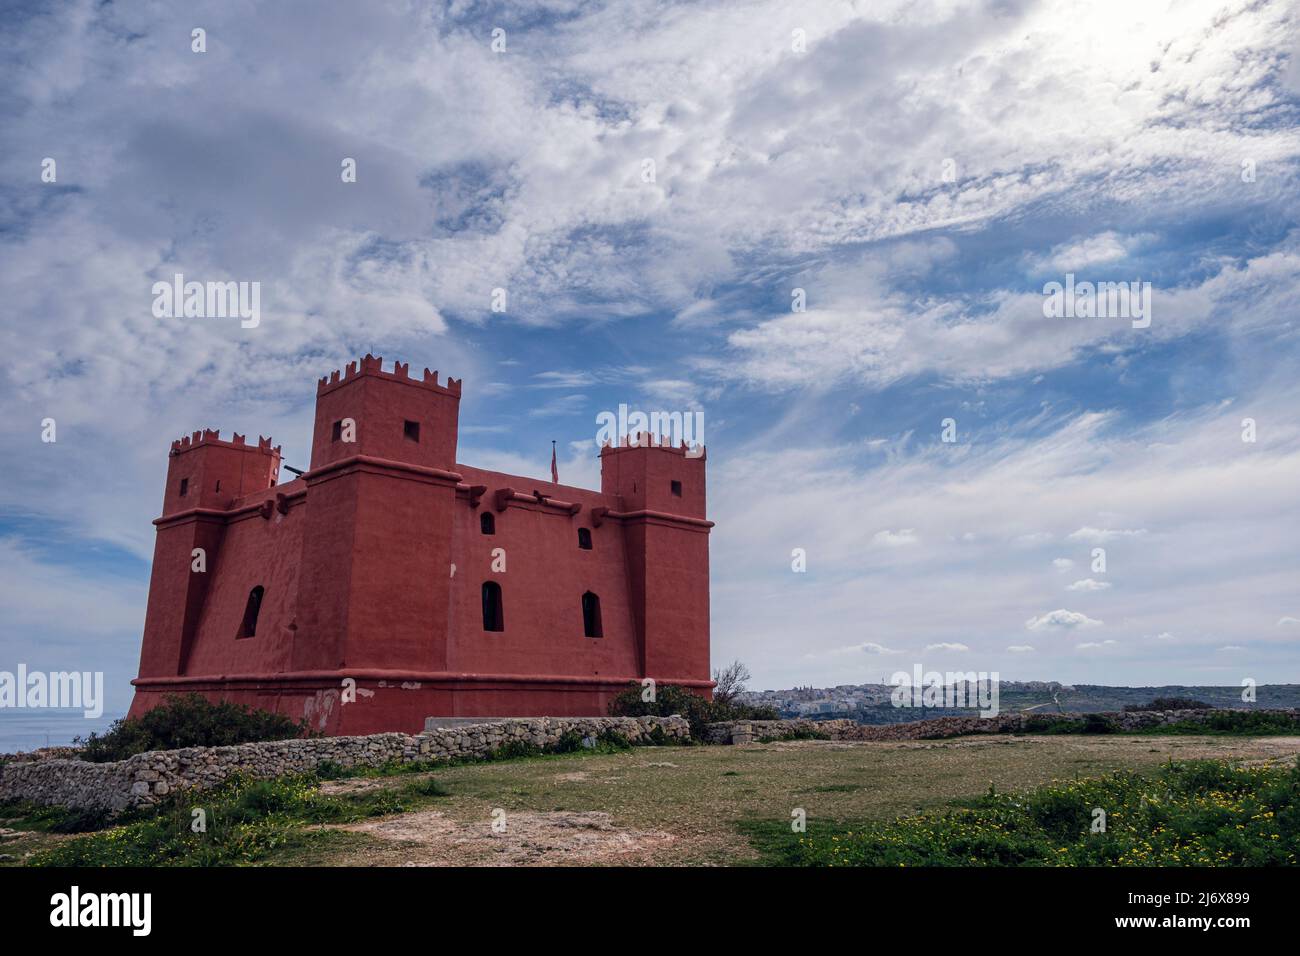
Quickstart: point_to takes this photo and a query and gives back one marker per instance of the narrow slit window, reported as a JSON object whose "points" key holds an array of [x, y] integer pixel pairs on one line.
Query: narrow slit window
{"points": [[584, 539], [251, 610], [677, 489], [591, 615], [411, 430], [185, 487], [337, 433], [486, 523], [493, 614]]}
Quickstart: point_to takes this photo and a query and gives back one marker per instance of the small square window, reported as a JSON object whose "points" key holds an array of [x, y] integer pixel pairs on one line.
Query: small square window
{"points": [[338, 430], [185, 487], [677, 489], [411, 430]]}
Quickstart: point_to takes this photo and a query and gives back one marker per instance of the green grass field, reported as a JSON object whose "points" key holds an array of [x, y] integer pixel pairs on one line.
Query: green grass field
{"points": [[644, 806]]}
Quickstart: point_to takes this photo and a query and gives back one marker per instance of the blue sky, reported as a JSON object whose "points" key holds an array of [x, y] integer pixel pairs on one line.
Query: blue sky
{"points": [[919, 169]]}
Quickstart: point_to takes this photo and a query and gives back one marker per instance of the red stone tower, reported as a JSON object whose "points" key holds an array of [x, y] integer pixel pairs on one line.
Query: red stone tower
{"points": [[205, 476], [377, 543], [662, 490], [432, 587]]}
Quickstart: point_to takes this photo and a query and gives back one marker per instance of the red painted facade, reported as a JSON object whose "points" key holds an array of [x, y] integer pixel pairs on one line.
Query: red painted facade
{"points": [[372, 568]]}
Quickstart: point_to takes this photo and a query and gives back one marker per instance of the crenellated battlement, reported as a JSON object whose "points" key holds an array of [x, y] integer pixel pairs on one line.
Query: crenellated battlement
{"points": [[212, 436], [648, 440], [374, 365]]}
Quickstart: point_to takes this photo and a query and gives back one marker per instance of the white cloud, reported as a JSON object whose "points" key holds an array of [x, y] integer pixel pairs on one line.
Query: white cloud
{"points": [[894, 539], [949, 647], [853, 650], [873, 648], [1189, 475], [1062, 564], [48, 627], [1061, 620], [863, 330], [1102, 535], [1033, 538], [1021, 649], [1094, 645], [1105, 247], [1088, 584]]}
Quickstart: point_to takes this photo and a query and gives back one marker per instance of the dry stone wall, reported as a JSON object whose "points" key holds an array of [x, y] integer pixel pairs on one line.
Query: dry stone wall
{"points": [[751, 731], [149, 777]]}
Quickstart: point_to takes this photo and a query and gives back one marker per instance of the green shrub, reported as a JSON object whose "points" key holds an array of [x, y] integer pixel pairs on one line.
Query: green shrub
{"points": [[659, 737], [187, 721], [331, 770], [1244, 723], [570, 741], [1169, 703], [612, 740], [246, 820], [1091, 724], [54, 819], [1098, 724], [671, 699], [1196, 813], [515, 749]]}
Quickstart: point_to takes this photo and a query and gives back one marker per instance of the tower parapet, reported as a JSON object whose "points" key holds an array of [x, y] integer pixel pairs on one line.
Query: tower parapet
{"points": [[650, 473], [374, 365], [204, 471], [367, 411], [659, 485]]}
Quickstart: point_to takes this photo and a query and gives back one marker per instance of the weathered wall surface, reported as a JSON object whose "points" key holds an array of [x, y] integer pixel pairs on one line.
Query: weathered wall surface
{"points": [[149, 777], [750, 731]]}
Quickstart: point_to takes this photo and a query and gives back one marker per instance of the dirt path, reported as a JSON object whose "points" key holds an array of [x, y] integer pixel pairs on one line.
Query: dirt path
{"points": [[432, 838]]}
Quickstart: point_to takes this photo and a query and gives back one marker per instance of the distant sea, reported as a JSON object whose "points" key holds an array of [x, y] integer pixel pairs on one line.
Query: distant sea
{"points": [[27, 729]]}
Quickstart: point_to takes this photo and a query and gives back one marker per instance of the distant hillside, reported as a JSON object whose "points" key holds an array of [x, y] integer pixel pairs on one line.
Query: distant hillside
{"points": [[870, 703]]}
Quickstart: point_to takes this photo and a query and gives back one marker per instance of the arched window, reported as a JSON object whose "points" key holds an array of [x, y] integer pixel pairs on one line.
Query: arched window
{"points": [[494, 618], [584, 539], [591, 615], [486, 523], [251, 609]]}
